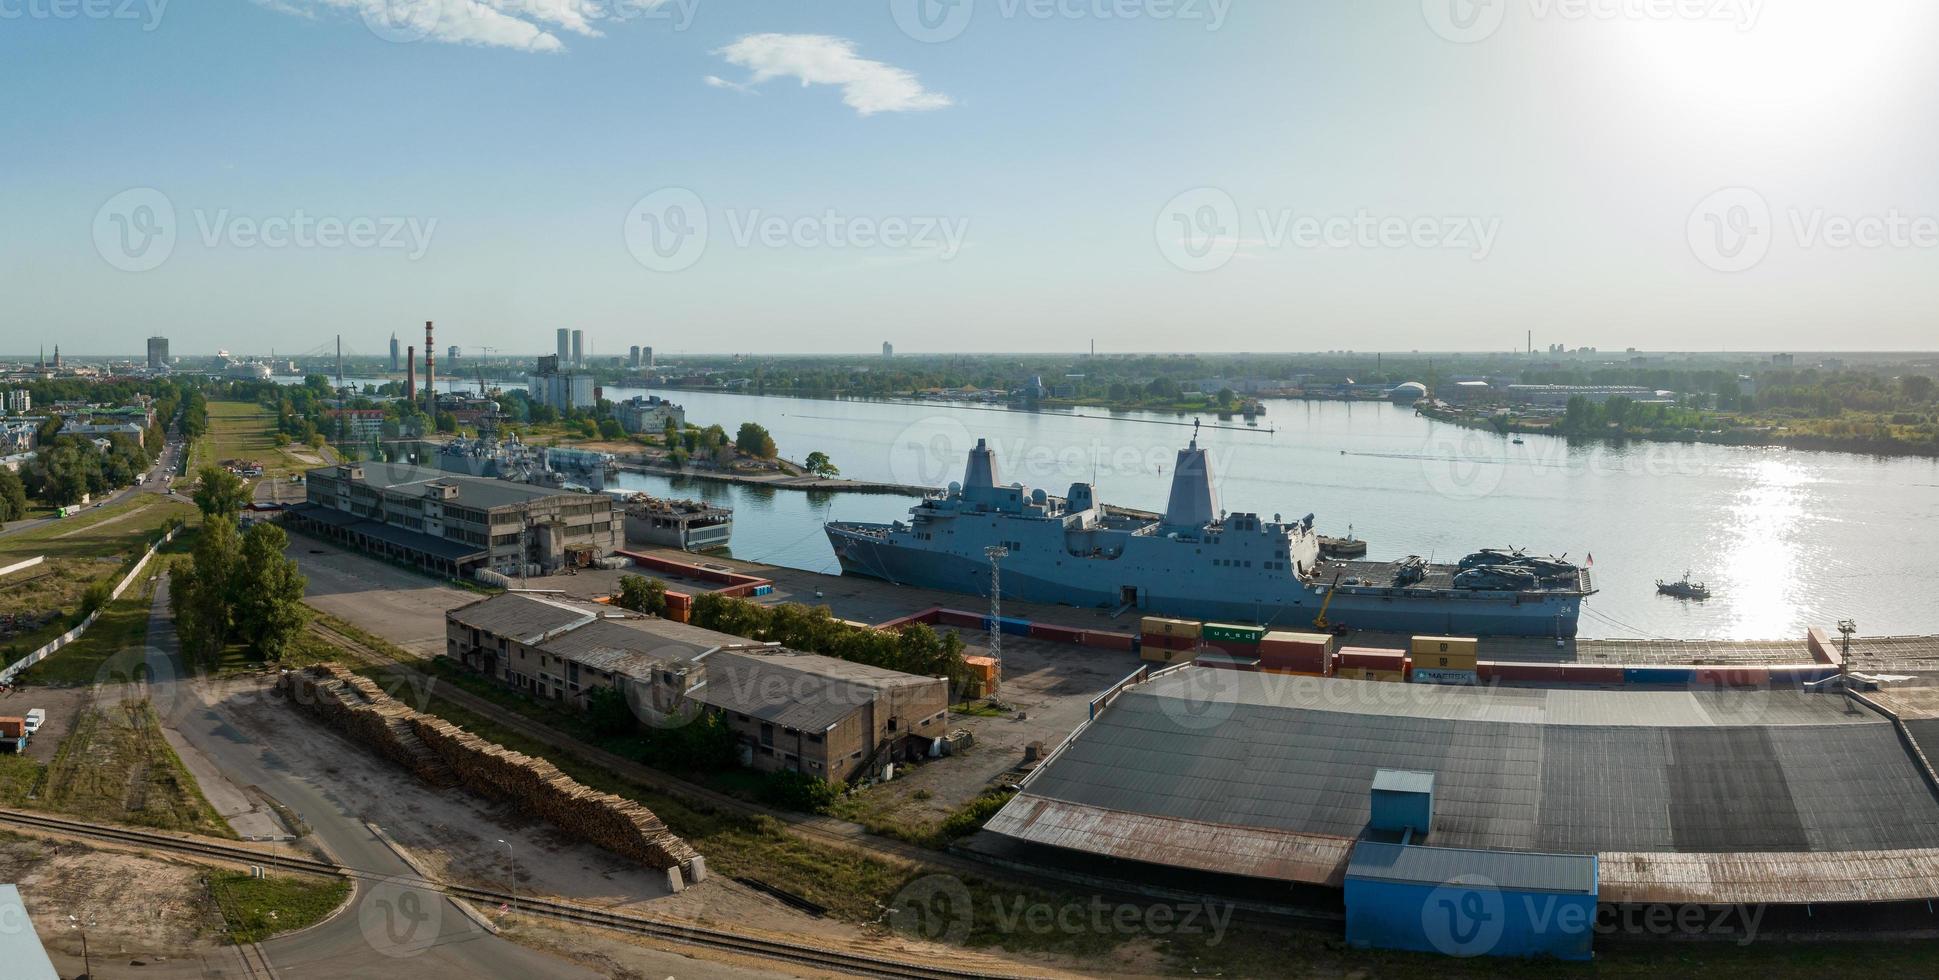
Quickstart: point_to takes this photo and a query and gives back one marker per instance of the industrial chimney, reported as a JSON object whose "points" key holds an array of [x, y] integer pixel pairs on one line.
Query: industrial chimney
{"points": [[410, 374], [430, 374]]}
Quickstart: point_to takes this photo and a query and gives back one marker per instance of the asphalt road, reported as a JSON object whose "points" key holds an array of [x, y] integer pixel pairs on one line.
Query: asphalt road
{"points": [[391, 928], [156, 483]]}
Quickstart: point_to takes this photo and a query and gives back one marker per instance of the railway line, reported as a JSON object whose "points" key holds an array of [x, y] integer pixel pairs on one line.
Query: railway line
{"points": [[666, 930]]}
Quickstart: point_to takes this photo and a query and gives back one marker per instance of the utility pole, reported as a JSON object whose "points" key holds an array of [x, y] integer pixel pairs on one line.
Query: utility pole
{"points": [[996, 553], [1846, 627]]}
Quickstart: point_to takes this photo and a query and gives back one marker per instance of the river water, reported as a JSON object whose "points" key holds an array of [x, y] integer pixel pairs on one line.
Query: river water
{"points": [[1784, 539]]}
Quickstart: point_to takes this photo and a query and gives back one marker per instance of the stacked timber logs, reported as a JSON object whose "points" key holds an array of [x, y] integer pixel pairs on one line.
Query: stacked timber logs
{"points": [[442, 754]]}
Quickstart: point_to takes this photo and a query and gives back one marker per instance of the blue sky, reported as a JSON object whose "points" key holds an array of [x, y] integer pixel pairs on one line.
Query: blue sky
{"points": [[1245, 175]]}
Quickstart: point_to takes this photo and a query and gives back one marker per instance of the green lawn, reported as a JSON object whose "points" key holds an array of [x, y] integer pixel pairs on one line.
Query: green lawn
{"points": [[246, 430], [94, 545], [121, 627], [255, 909]]}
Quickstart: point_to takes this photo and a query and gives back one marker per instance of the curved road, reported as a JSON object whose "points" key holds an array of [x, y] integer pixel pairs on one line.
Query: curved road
{"points": [[390, 927]]}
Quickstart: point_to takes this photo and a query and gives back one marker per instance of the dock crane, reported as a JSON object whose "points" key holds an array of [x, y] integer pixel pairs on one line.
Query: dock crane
{"points": [[1319, 622]]}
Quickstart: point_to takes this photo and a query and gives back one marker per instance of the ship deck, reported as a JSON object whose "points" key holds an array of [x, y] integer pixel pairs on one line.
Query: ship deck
{"points": [[1380, 575]]}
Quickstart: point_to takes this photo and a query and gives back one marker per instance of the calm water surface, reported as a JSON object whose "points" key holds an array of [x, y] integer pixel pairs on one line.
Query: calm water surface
{"points": [[1784, 539]]}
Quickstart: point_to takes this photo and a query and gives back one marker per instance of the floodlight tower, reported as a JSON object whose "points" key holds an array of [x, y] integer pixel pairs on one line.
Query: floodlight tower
{"points": [[996, 553]]}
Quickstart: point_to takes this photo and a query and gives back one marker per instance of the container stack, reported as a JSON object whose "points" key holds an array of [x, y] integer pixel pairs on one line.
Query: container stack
{"points": [[983, 673], [1167, 641], [1371, 664], [1444, 660], [1296, 653]]}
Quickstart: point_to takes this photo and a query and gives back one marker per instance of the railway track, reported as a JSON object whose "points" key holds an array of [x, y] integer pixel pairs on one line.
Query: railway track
{"points": [[666, 930]]}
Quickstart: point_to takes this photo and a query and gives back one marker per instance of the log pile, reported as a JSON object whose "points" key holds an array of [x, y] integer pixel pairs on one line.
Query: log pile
{"points": [[442, 754]]}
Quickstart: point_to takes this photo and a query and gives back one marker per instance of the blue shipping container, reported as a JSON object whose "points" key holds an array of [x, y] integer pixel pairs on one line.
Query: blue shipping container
{"points": [[1461, 902], [1678, 676], [1020, 627]]}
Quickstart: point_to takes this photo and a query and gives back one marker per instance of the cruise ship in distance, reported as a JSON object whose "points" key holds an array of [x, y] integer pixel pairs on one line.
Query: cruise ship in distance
{"points": [[1197, 562]]}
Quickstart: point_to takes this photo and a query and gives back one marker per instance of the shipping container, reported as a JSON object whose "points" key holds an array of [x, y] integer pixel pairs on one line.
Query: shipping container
{"points": [[13, 728], [1451, 678], [1159, 655], [1375, 657], [1225, 662], [1519, 672], [1369, 674], [1015, 626], [1675, 676], [1162, 626], [1443, 644], [1324, 642], [1057, 634], [960, 619], [1110, 641], [1233, 631], [1591, 674]]}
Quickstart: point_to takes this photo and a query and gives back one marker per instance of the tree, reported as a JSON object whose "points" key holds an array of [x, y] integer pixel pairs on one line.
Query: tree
{"points": [[199, 595], [819, 464], [220, 493], [642, 594], [609, 713], [753, 439], [267, 592], [1917, 388], [13, 496], [611, 429]]}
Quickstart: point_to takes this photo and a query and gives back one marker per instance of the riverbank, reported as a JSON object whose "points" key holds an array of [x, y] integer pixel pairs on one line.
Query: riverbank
{"points": [[1771, 435]]}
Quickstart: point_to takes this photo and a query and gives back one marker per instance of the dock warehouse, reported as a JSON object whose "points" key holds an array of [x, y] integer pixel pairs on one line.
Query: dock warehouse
{"points": [[1262, 784]]}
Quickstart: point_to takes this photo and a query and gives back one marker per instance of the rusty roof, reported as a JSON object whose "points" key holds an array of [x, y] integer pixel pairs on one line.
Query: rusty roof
{"points": [[1259, 852], [1776, 878]]}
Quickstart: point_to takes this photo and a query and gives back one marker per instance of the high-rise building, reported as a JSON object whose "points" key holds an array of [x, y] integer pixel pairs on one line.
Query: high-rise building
{"points": [[633, 356], [20, 401], [646, 357], [888, 349], [451, 352], [561, 388], [157, 353], [393, 353], [565, 346], [578, 348]]}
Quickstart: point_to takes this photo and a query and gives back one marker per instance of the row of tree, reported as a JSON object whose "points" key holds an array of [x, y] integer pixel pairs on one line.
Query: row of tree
{"points": [[915, 649], [236, 587]]}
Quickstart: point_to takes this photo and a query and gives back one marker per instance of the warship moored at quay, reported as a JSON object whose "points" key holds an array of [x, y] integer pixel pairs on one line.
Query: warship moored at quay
{"points": [[1196, 561]]}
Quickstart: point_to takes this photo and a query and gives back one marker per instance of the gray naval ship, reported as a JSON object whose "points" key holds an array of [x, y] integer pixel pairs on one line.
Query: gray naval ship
{"points": [[1197, 562]]}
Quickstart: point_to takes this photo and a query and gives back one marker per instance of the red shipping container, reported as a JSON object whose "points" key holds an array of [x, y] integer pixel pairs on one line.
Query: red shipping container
{"points": [[1060, 634], [1300, 661], [1160, 641], [13, 728], [1110, 641], [1591, 674], [959, 618], [1527, 673]]}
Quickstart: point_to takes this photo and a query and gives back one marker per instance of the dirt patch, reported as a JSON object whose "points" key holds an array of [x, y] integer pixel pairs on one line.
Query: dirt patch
{"points": [[59, 879]]}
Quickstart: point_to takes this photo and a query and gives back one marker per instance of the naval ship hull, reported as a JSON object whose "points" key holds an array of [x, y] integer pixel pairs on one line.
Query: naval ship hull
{"points": [[863, 550]]}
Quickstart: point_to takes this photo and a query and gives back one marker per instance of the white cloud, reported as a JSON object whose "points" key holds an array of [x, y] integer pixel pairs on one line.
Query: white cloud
{"points": [[715, 81], [868, 86], [526, 25]]}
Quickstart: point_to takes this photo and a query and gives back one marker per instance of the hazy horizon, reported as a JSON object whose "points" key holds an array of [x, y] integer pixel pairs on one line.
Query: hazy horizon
{"points": [[1009, 175]]}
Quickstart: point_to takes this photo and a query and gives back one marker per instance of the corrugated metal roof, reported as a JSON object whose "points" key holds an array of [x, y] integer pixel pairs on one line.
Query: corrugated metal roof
{"points": [[526, 618], [20, 946], [1520, 871], [1280, 855], [1785, 878], [803, 691], [1530, 785], [473, 491]]}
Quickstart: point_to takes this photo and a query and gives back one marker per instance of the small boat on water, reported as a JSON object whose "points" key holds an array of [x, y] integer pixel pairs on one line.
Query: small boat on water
{"points": [[1518, 441], [1683, 588]]}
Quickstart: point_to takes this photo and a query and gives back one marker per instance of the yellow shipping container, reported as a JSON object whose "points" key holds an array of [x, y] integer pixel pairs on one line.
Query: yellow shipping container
{"points": [[1326, 640], [1438, 645], [1445, 661], [1370, 674], [1160, 655], [1160, 626]]}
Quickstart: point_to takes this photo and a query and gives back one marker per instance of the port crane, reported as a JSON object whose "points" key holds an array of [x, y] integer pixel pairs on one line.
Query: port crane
{"points": [[1319, 622]]}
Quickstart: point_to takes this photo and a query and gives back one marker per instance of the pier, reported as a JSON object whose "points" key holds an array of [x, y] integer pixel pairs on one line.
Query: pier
{"points": [[780, 481]]}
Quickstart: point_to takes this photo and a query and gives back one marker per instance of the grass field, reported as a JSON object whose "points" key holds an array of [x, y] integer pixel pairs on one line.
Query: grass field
{"points": [[116, 766], [255, 909], [122, 626], [246, 430], [80, 550]]}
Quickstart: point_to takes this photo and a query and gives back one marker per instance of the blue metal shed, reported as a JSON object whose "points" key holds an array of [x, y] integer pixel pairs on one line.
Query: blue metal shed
{"points": [[1471, 902], [1402, 800]]}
